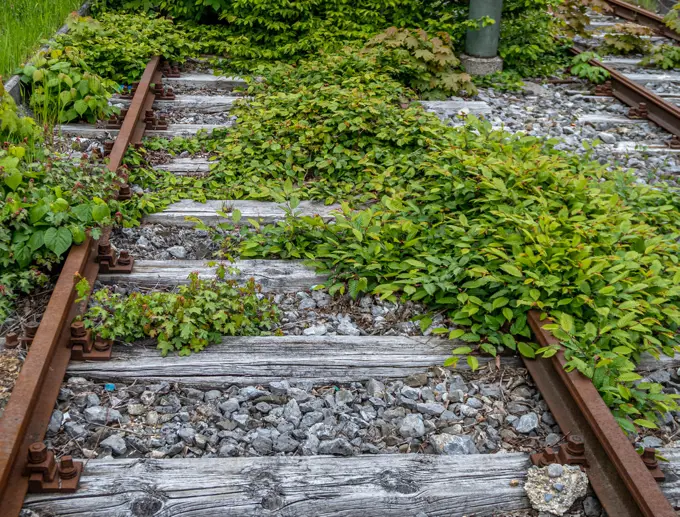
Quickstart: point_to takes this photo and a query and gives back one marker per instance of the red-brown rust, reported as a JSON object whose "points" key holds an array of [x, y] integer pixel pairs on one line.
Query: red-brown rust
{"points": [[30, 406], [140, 99], [620, 478], [656, 109], [642, 16]]}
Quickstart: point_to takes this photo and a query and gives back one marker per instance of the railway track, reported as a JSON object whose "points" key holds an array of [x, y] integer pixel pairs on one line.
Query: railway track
{"points": [[112, 381]]}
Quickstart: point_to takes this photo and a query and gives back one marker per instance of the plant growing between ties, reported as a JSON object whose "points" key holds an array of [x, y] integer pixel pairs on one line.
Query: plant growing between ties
{"points": [[188, 320]]}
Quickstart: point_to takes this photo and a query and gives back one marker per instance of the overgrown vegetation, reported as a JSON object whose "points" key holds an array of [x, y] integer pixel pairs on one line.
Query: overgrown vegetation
{"points": [[188, 320], [24, 23], [60, 88], [581, 67], [626, 38]]}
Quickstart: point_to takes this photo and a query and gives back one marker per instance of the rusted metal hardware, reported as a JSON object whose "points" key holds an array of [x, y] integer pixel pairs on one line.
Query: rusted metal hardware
{"points": [[27, 337], [673, 142], [659, 111], [31, 404], [639, 112], [12, 340], [620, 478], [642, 16], [107, 259], [155, 122], [134, 125], [46, 475], [86, 347], [124, 192], [162, 93], [571, 453], [604, 89], [129, 91], [108, 147], [649, 459], [116, 120], [170, 69]]}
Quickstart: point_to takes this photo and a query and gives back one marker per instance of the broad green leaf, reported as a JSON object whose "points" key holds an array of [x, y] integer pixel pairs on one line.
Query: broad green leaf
{"points": [[58, 240]]}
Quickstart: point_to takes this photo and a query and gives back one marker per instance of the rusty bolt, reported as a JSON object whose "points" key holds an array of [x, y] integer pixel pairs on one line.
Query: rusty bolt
{"points": [[102, 345], [37, 452], [78, 329], [124, 258], [67, 468], [649, 458], [30, 329], [575, 445], [12, 340], [104, 247]]}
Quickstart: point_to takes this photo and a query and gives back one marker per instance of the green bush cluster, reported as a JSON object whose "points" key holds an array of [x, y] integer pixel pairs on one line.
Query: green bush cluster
{"points": [[62, 89], [188, 320], [245, 31]]}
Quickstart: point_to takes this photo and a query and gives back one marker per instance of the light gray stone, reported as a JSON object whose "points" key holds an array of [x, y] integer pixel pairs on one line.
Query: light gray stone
{"points": [[116, 443], [316, 330], [526, 423], [430, 408], [55, 422], [481, 65], [136, 409], [178, 252], [555, 495], [451, 444], [375, 388], [102, 415], [337, 447], [412, 426], [292, 413]]}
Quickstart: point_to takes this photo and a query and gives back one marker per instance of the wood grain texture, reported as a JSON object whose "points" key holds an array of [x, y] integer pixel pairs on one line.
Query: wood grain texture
{"points": [[206, 81], [186, 166], [274, 275], [396, 485], [89, 131], [671, 487], [262, 211], [446, 109], [262, 359], [196, 103]]}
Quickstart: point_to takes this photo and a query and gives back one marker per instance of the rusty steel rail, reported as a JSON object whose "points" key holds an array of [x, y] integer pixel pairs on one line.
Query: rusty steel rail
{"points": [[620, 478], [642, 16], [654, 108], [31, 403]]}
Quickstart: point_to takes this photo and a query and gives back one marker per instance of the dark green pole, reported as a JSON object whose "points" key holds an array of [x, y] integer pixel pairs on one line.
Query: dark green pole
{"points": [[483, 42]]}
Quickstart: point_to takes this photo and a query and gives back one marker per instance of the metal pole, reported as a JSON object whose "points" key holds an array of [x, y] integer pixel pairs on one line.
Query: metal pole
{"points": [[483, 42]]}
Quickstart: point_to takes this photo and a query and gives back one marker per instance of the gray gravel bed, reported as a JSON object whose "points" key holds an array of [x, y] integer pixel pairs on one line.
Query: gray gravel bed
{"points": [[550, 111], [160, 242], [436, 412]]}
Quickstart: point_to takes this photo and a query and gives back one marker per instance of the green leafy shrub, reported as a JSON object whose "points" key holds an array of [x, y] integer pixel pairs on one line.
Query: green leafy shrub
{"points": [[44, 208], [626, 38], [497, 225], [581, 67], [14, 128], [62, 89], [662, 56], [672, 18], [188, 320], [119, 46], [423, 63]]}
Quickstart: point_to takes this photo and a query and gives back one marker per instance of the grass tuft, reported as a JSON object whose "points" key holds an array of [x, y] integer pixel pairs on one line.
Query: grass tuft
{"points": [[24, 23]]}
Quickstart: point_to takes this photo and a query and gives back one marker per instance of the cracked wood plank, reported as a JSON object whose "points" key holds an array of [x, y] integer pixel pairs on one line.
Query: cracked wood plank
{"points": [[386, 485], [262, 211], [274, 275], [321, 360]]}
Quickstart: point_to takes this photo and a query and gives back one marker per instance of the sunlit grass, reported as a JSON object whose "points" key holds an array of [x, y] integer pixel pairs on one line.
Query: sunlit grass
{"points": [[23, 23]]}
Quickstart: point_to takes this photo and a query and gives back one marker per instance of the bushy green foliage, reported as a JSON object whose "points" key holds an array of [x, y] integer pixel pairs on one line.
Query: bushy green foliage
{"points": [[581, 67], [188, 320], [44, 208], [119, 46], [494, 225], [62, 89], [626, 38], [13, 128], [425, 64], [249, 31], [662, 56], [672, 18]]}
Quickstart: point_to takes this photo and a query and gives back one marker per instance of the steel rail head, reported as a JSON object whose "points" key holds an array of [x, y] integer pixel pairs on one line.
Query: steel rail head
{"points": [[35, 392], [134, 113], [620, 478], [32, 400], [642, 16], [656, 109]]}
